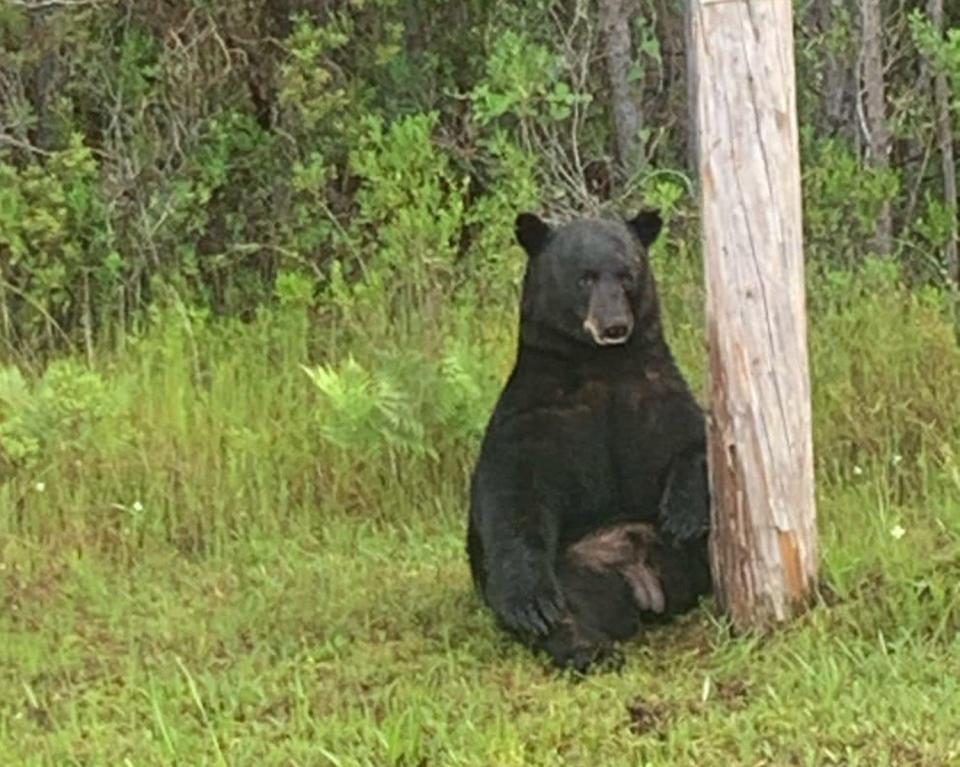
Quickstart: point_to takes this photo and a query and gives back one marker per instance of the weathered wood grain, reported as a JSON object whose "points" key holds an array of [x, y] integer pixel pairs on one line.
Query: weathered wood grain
{"points": [[764, 545]]}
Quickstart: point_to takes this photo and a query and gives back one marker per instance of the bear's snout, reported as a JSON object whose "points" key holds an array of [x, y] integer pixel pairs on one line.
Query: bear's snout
{"points": [[608, 334], [618, 332], [609, 319]]}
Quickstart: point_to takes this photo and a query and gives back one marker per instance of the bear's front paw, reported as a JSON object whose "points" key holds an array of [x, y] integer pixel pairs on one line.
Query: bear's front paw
{"points": [[685, 504], [526, 605]]}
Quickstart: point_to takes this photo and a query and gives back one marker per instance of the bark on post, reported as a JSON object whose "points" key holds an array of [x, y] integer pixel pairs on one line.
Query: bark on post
{"points": [[763, 546]]}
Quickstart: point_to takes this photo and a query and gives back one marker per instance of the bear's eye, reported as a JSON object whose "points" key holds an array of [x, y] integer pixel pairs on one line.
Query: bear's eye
{"points": [[587, 279], [626, 279]]}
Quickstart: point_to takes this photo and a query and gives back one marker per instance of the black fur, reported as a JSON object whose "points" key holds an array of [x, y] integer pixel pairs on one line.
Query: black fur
{"points": [[591, 476]]}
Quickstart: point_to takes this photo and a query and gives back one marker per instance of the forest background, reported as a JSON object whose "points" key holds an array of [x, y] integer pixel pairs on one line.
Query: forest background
{"points": [[258, 292]]}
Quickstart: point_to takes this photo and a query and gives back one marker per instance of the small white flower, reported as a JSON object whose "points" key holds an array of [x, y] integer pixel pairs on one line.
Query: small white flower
{"points": [[896, 459], [137, 507], [857, 471], [897, 532], [40, 486]]}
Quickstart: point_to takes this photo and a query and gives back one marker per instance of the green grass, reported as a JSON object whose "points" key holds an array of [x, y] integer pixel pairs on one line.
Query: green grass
{"points": [[364, 644], [207, 559]]}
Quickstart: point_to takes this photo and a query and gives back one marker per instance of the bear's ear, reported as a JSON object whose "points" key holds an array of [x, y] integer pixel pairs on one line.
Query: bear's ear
{"points": [[532, 232], [646, 226]]}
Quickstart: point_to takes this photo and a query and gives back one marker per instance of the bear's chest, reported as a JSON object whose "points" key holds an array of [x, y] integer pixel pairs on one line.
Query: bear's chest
{"points": [[625, 419], [609, 448]]}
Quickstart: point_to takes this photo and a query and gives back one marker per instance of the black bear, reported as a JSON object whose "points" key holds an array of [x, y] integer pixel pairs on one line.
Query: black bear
{"points": [[589, 507]]}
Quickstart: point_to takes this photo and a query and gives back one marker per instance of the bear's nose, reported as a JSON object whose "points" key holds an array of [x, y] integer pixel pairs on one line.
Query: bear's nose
{"points": [[616, 332]]}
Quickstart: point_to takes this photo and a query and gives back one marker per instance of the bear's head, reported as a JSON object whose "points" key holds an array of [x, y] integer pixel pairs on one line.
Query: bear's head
{"points": [[588, 282]]}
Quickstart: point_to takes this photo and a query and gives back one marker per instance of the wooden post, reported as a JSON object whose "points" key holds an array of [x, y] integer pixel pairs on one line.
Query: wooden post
{"points": [[763, 545]]}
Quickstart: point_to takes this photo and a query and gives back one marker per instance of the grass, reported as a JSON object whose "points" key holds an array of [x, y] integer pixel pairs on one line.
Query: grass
{"points": [[364, 645], [200, 565]]}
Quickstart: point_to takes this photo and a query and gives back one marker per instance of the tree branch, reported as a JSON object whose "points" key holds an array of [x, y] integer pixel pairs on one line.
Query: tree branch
{"points": [[7, 140]]}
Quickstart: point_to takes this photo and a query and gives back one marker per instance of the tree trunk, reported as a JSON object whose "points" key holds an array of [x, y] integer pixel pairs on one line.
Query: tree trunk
{"points": [[878, 132], [763, 544], [40, 83], [693, 87], [838, 91], [627, 119], [945, 140]]}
